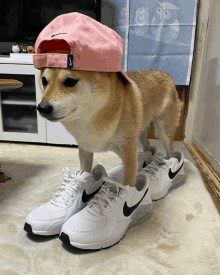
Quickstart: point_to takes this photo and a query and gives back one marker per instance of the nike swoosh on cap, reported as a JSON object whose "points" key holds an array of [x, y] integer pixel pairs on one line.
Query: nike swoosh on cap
{"points": [[86, 197], [127, 211], [172, 175], [58, 34]]}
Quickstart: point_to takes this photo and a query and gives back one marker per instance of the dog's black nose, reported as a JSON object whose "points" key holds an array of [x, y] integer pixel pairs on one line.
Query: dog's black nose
{"points": [[45, 108]]}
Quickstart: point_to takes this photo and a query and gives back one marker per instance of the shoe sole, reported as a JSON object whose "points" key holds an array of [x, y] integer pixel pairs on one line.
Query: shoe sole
{"points": [[141, 214], [56, 231], [28, 229], [178, 181]]}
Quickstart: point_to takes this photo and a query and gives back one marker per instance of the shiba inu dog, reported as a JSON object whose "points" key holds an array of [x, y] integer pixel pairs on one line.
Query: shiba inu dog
{"points": [[106, 113]]}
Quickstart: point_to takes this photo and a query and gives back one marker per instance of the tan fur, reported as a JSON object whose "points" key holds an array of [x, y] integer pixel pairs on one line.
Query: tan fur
{"points": [[111, 114]]}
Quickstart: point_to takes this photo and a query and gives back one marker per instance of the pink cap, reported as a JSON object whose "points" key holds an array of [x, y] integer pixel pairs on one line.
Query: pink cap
{"points": [[88, 45]]}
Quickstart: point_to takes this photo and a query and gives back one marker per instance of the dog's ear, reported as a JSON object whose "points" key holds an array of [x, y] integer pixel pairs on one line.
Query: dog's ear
{"points": [[122, 78], [41, 70], [110, 73]]}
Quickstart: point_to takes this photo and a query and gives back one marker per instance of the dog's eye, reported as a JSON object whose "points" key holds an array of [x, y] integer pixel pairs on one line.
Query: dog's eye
{"points": [[70, 82], [44, 81]]}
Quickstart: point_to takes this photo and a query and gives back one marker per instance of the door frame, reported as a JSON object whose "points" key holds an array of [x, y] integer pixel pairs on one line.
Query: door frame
{"points": [[206, 163]]}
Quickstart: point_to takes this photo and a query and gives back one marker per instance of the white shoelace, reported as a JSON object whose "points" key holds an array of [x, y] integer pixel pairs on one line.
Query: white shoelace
{"points": [[68, 186], [105, 196], [156, 163]]}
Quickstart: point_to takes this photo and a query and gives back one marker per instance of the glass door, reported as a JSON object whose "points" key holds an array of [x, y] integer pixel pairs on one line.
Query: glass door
{"points": [[18, 107]]}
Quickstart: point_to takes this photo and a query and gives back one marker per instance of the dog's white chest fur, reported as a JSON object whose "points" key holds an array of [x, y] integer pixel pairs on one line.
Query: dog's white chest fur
{"points": [[85, 138]]}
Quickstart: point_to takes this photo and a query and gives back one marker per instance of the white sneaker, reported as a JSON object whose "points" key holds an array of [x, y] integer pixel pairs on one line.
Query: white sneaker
{"points": [[104, 221], [76, 191], [165, 174], [143, 159]]}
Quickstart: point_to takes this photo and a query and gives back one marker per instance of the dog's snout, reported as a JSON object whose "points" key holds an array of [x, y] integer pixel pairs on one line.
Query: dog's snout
{"points": [[45, 108]]}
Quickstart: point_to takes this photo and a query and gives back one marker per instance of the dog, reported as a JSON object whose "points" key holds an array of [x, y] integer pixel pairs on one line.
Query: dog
{"points": [[106, 113]]}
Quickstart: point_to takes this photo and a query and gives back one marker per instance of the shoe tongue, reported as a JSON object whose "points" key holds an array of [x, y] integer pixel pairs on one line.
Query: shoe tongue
{"points": [[173, 160], [159, 159], [160, 155], [144, 155], [112, 190], [82, 174]]}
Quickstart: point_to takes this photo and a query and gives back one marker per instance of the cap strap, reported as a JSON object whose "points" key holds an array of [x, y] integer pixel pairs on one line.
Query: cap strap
{"points": [[70, 61]]}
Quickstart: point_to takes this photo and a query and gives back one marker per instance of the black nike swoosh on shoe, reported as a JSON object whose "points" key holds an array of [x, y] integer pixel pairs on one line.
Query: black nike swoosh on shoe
{"points": [[172, 175], [86, 197], [144, 164], [127, 211]]}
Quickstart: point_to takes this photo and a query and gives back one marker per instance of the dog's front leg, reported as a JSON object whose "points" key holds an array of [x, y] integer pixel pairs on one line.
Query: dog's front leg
{"points": [[86, 160], [129, 158]]}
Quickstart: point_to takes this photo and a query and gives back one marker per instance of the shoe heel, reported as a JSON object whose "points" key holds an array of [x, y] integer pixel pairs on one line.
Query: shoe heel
{"points": [[179, 180], [142, 213]]}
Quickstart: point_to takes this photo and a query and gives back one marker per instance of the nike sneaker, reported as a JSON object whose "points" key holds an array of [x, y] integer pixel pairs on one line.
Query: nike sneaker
{"points": [[165, 174], [114, 209], [143, 159], [77, 189]]}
